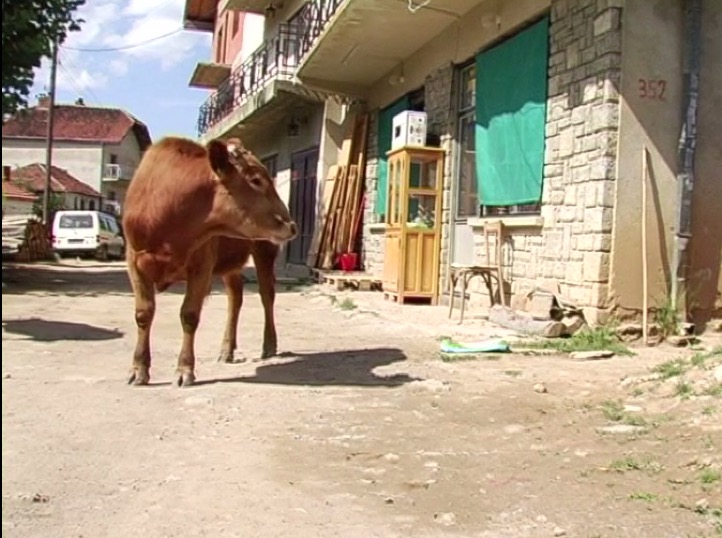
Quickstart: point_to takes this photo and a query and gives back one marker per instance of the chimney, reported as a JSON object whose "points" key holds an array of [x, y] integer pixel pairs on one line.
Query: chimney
{"points": [[6, 173], [43, 100]]}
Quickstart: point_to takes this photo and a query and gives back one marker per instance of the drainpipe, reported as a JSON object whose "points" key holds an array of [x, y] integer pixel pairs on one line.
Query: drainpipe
{"points": [[687, 145]]}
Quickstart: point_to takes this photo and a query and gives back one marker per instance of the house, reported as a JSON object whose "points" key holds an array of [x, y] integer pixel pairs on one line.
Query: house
{"points": [[17, 200], [74, 193], [255, 96], [99, 146], [544, 108]]}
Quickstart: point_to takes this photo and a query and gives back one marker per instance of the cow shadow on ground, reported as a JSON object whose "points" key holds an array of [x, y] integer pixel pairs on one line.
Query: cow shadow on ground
{"points": [[42, 330], [97, 280], [351, 367]]}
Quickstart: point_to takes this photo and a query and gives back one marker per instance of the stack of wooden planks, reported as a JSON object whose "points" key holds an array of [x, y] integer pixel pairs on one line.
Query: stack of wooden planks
{"points": [[26, 238], [343, 201]]}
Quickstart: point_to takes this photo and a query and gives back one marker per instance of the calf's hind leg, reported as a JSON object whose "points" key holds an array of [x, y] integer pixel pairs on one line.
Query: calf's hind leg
{"points": [[144, 294], [198, 286], [234, 292]]}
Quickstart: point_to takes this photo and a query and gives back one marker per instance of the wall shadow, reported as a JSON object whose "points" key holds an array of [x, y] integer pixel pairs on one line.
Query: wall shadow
{"points": [[96, 280], [352, 367], [42, 330]]}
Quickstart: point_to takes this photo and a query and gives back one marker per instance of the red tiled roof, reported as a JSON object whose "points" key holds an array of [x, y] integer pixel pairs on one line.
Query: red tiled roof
{"points": [[17, 192], [77, 123], [33, 177]]}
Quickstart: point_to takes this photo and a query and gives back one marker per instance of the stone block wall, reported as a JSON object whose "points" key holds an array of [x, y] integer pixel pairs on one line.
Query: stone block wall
{"points": [[581, 149], [372, 243]]}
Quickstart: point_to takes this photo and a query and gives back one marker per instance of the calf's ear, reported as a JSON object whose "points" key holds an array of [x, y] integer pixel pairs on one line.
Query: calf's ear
{"points": [[218, 156]]}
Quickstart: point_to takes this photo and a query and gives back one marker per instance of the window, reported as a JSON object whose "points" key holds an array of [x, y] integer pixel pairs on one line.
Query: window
{"points": [[236, 20], [103, 223], [113, 158], [220, 47], [271, 164], [501, 126], [76, 221], [467, 193]]}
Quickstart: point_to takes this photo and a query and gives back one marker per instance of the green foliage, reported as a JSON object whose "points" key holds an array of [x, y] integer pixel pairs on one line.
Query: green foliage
{"points": [[598, 339], [29, 27], [57, 203]]}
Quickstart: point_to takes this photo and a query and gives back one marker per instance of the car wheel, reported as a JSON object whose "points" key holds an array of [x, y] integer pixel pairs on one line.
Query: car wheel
{"points": [[103, 253]]}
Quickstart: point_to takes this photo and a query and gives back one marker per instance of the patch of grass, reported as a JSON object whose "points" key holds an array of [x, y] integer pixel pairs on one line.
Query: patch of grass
{"points": [[628, 463], [597, 339], [709, 410], [638, 391], [347, 304], [643, 496], [512, 373], [710, 476], [671, 368], [684, 389], [667, 318], [715, 390], [613, 411]]}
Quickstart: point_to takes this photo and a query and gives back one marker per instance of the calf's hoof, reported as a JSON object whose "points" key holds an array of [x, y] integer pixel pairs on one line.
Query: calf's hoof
{"points": [[185, 379], [139, 377], [269, 351], [229, 358]]}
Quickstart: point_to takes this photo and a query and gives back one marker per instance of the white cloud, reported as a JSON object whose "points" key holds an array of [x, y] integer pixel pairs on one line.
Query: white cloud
{"points": [[131, 26]]}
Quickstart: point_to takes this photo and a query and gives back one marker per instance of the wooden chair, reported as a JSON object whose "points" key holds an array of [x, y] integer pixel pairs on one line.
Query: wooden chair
{"points": [[489, 271]]}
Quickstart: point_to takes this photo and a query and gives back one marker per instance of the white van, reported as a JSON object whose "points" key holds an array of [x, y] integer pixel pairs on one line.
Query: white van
{"points": [[81, 232]]}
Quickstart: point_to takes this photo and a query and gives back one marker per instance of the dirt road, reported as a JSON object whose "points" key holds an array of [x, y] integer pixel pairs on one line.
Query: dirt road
{"points": [[359, 431]]}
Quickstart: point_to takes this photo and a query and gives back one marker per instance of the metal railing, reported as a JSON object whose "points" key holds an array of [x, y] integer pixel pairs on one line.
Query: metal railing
{"points": [[114, 172], [312, 19], [277, 57]]}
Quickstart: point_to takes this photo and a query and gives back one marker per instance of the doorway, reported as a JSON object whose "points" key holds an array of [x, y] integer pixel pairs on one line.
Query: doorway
{"points": [[302, 203]]}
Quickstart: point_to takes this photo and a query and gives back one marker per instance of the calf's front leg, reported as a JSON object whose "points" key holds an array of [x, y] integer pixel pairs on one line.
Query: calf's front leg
{"points": [[144, 295], [264, 258], [198, 286]]}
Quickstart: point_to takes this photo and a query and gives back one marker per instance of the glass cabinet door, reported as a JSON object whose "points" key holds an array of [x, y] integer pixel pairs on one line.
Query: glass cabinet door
{"points": [[422, 173], [395, 184], [421, 213]]}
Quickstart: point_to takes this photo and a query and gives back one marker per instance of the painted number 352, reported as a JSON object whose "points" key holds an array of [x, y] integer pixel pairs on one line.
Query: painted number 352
{"points": [[654, 89]]}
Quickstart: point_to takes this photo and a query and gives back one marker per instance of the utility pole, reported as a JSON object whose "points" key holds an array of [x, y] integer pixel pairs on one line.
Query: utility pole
{"points": [[49, 137]]}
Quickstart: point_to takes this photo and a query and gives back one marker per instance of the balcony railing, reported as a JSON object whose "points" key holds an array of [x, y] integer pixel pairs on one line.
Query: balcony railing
{"points": [[115, 172], [277, 57], [312, 19]]}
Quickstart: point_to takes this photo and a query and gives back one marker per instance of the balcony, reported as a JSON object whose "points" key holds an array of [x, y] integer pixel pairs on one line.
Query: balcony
{"points": [[349, 45], [116, 172], [259, 90]]}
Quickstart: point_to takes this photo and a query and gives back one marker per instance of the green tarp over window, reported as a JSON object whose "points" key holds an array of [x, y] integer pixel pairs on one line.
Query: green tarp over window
{"points": [[511, 93], [385, 124]]}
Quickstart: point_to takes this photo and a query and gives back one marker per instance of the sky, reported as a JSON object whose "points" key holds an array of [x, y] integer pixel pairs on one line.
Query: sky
{"points": [[143, 73]]}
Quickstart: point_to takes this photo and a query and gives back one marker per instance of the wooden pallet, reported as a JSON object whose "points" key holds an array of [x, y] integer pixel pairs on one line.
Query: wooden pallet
{"points": [[408, 299], [356, 280]]}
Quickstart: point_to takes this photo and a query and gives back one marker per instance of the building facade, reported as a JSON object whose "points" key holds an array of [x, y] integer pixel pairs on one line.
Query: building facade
{"points": [[99, 146], [545, 109]]}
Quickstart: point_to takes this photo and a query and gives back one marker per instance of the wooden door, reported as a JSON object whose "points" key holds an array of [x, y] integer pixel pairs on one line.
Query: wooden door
{"points": [[302, 203]]}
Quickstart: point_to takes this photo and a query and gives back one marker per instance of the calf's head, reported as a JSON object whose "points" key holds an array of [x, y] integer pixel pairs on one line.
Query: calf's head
{"points": [[247, 204]]}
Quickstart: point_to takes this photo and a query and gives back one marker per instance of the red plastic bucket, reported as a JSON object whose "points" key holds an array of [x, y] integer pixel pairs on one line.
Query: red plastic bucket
{"points": [[348, 261]]}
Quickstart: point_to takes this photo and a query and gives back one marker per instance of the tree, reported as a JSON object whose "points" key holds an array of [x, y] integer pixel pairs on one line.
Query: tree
{"points": [[29, 28]]}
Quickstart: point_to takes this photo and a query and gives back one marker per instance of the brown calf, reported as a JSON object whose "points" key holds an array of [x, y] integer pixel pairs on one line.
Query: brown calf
{"points": [[191, 213]]}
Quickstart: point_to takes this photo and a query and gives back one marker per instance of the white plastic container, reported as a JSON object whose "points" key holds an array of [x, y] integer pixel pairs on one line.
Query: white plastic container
{"points": [[409, 129]]}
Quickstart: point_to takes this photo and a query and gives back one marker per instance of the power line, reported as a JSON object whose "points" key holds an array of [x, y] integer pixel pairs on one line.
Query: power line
{"points": [[126, 47]]}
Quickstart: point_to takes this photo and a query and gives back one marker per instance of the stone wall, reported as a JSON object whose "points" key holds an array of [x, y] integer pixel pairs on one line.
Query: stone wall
{"points": [[581, 149], [372, 243]]}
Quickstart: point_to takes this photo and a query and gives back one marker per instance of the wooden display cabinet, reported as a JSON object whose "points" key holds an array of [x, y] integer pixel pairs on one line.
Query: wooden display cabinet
{"points": [[413, 223]]}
